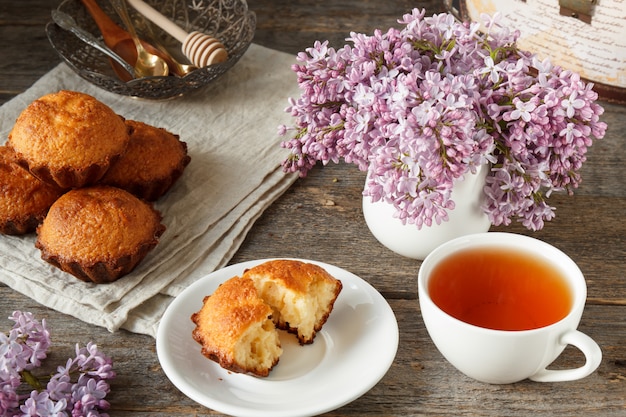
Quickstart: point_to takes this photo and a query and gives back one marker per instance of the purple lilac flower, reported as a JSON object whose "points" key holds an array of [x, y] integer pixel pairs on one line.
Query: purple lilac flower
{"points": [[26, 345], [21, 352], [86, 395], [39, 404], [9, 400], [422, 106]]}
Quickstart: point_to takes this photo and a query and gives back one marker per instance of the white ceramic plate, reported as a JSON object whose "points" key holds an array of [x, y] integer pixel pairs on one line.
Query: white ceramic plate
{"points": [[351, 353]]}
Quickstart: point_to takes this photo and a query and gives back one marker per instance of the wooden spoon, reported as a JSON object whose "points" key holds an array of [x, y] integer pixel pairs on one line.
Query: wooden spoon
{"points": [[116, 38], [67, 22]]}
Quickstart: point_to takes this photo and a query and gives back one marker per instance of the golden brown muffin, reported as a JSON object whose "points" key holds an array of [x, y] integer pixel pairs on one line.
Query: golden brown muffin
{"points": [[154, 161], [302, 295], [235, 330], [68, 138], [98, 233], [24, 199]]}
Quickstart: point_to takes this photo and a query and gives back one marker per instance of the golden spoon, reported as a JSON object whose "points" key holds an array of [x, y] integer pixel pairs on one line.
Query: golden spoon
{"points": [[176, 67], [147, 64]]}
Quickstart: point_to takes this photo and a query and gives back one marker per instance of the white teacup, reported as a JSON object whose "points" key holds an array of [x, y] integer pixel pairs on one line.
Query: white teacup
{"points": [[507, 356]]}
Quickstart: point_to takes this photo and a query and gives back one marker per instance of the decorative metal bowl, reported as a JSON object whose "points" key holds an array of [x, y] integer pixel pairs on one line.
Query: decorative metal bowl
{"points": [[230, 21]]}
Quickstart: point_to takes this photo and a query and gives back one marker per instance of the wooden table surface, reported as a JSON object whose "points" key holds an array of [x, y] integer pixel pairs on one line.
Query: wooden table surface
{"points": [[320, 218]]}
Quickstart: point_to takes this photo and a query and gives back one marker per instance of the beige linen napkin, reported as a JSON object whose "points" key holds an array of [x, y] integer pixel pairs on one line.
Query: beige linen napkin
{"points": [[231, 132]]}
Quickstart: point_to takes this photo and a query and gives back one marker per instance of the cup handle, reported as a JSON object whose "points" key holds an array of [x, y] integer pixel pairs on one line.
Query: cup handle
{"points": [[593, 357]]}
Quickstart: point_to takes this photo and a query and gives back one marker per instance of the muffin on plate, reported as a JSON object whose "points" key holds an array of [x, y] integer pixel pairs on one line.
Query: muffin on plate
{"points": [[68, 138], [154, 160], [235, 329], [302, 295], [98, 233], [24, 199]]}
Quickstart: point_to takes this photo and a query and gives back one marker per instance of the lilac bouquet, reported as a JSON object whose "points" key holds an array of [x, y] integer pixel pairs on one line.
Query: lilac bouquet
{"points": [[422, 106], [77, 389]]}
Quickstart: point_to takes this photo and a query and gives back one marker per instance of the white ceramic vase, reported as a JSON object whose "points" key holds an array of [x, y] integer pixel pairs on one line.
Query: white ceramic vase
{"points": [[407, 240]]}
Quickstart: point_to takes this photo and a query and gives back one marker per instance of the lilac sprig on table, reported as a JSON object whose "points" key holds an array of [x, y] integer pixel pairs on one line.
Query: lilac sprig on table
{"points": [[422, 106], [78, 388]]}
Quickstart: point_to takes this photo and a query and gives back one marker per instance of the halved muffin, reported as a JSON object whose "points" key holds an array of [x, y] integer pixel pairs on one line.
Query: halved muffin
{"points": [[24, 199], [302, 295], [68, 138], [99, 233], [235, 329], [154, 160]]}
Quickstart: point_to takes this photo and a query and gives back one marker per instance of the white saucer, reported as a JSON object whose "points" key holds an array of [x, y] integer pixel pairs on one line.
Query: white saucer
{"points": [[349, 356]]}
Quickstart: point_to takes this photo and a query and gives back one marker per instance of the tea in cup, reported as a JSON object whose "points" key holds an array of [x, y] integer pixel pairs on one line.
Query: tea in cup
{"points": [[502, 307]]}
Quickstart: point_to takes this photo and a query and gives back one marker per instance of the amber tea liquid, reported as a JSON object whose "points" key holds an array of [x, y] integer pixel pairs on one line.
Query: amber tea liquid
{"points": [[500, 289]]}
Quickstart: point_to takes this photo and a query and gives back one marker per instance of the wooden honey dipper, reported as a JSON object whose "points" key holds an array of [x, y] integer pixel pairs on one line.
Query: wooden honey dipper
{"points": [[201, 49]]}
